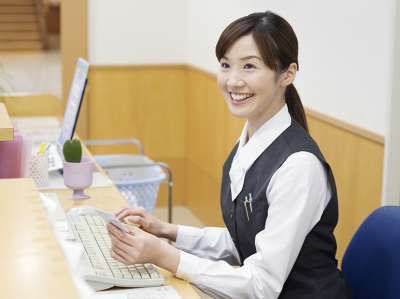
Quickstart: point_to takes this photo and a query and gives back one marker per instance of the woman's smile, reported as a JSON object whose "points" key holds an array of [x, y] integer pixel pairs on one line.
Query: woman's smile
{"points": [[240, 98]]}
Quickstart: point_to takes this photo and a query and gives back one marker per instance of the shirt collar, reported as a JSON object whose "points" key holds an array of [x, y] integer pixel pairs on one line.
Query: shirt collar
{"points": [[249, 151]]}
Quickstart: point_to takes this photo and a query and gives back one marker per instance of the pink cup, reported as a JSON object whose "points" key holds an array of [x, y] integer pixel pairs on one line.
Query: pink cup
{"points": [[11, 157], [79, 176]]}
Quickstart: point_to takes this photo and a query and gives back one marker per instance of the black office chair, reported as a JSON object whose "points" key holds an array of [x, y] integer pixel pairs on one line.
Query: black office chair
{"points": [[371, 263]]}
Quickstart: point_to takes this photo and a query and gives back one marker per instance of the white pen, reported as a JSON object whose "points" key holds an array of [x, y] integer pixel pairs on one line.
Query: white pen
{"points": [[245, 206], [251, 203]]}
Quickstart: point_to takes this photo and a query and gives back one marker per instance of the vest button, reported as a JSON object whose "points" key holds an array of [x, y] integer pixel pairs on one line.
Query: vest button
{"points": [[231, 215]]}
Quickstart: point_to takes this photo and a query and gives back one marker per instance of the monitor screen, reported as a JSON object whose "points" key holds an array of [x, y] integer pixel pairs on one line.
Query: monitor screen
{"points": [[75, 98]]}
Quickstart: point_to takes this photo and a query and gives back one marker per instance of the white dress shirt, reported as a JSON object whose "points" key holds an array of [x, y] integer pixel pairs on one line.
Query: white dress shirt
{"points": [[297, 195]]}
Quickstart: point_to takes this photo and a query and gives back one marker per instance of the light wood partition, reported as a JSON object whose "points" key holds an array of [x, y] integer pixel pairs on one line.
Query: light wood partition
{"points": [[210, 133], [33, 105], [356, 158], [74, 44], [146, 102], [180, 115]]}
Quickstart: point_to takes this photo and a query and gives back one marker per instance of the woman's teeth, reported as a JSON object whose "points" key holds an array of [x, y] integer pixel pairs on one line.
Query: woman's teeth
{"points": [[240, 96]]}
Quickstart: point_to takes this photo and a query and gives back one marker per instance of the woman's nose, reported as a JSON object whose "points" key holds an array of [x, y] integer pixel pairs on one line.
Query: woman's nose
{"points": [[235, 81]]}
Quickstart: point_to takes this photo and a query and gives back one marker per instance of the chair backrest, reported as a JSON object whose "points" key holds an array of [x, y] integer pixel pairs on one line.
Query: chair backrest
{"points": [[371, 263]]}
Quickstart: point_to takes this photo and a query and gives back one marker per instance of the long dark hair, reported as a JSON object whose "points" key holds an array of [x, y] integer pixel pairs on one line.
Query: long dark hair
{"points": [[277, 44]]}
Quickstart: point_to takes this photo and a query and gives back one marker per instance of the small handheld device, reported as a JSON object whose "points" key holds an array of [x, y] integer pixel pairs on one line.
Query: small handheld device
{"points": [[107, 217]]}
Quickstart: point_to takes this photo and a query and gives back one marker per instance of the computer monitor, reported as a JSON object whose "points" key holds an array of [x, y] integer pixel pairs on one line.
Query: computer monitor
{"points": [[74, 103]]}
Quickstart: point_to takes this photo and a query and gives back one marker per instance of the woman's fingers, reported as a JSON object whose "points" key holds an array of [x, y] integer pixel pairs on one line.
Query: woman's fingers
{"points": [[125, 243], [124, 246], [121, 245], [117, 257], [123, 257], [135, 211], [138, 220], [127, 238], [117, 232]]}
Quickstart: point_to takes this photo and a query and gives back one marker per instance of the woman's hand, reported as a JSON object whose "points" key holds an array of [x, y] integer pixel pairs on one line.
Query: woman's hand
{"points": [[148, 222], [139, 247]]}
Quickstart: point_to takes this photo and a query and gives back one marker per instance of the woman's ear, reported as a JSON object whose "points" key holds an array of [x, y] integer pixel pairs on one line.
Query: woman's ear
{"points": [[289, 75]]}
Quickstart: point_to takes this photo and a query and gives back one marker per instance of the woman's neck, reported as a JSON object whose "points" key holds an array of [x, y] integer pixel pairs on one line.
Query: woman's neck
{"points": [[254, 124]]}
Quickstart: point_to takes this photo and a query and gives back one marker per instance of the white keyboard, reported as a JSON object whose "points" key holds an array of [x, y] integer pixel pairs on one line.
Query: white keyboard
{"points": [[100, 270]]}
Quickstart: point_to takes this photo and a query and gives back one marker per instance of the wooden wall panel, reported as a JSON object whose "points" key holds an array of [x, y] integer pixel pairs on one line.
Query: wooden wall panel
{"points": [[357, 164], [210, 135], [33, 105], [142, 102], [74, 44]]}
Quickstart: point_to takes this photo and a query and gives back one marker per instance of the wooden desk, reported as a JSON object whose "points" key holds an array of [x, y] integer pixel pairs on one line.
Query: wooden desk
{"points": [[32, 263]]}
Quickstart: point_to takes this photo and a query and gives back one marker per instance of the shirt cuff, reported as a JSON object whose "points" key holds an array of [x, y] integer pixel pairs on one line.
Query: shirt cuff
{"points": [[188, 267]]}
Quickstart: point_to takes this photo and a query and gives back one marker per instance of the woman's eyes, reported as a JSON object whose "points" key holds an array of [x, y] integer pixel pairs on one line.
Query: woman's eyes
{"points": [[248, 66], [224, 65]]}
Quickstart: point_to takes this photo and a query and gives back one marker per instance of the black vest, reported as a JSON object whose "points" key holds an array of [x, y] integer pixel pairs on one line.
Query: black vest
{"points": [[315, 273]]}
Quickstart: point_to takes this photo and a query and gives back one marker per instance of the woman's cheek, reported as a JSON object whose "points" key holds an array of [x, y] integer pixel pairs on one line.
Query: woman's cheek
{"points": [[221, 79]]}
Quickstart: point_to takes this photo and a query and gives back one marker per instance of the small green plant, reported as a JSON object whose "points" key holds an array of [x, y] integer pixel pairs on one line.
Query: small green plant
{"points": [[72, 150]]}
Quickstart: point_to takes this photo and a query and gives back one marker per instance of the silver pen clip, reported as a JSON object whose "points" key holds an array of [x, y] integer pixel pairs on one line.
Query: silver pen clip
{"points": [[251, 203], [245, 207]]}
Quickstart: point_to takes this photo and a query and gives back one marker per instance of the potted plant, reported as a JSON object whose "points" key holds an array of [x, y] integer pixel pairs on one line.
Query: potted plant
{"points": [[78, 169]]}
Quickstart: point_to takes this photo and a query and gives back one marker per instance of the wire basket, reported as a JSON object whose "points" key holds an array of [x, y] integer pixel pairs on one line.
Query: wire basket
{"points": [[136, 176]]}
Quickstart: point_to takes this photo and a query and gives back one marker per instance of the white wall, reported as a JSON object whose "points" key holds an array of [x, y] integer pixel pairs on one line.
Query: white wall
{"points": [[123, 32], [346, 47], [391, 179], [345, 51]]}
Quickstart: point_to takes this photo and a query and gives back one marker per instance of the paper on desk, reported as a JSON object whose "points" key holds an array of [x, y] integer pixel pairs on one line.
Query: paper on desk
{"points": [[56, 181], [164, 292]]}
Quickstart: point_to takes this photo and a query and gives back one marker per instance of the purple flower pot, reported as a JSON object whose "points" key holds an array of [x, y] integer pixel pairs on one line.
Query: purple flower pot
{"points": [[79, 176]]}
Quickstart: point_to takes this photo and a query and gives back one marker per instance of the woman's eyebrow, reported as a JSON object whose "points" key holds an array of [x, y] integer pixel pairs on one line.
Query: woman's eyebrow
{"points": [[250, 57]]}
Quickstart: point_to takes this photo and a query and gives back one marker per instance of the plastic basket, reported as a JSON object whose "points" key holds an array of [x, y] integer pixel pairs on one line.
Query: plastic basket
{"points": [[136, 176]]}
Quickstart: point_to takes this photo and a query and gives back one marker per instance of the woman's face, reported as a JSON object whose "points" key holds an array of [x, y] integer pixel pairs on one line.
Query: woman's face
{"points": [[250, 88]]}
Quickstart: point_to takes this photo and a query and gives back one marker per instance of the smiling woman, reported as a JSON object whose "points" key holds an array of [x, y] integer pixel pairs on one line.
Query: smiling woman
{"points": [[278, 193], [269, 61], [251, 88]]}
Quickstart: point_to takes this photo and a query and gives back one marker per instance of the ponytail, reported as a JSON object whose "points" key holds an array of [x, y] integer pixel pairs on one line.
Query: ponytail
{"points": [[295, 106]]}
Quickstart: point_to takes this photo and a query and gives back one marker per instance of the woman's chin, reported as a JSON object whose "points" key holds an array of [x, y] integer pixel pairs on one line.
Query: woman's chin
{"points": [[239, 111], [239, 114]]}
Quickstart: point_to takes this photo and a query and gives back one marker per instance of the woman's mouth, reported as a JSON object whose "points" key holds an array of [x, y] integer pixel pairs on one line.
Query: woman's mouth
{"points": [[240, 98]]}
